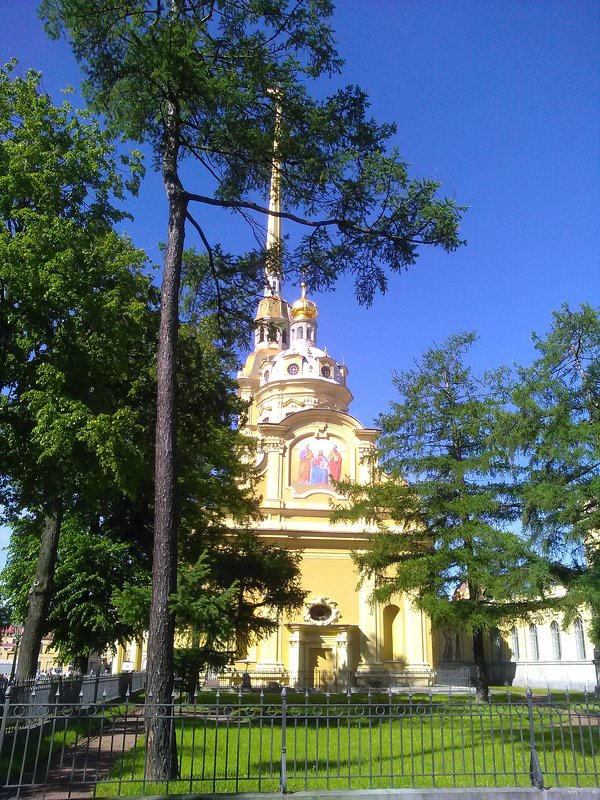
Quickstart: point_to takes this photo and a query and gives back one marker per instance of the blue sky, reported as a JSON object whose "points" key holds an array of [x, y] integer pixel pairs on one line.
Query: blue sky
{"points": [[499, 101]]}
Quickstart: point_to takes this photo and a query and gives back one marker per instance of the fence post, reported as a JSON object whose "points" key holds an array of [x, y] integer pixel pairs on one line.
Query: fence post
{"points": [[535, 770], [283, 773], [5, 711]]}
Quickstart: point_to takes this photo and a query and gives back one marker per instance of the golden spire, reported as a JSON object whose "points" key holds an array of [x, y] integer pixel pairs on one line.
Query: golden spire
{"points": [[274, 240]]}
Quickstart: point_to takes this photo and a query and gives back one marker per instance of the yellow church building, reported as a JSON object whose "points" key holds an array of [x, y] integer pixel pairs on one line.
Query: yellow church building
{"points": [[307, 439], [298, 411]]}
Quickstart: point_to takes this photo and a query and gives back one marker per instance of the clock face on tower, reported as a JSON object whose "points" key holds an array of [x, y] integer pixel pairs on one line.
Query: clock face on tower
{"points": [[317, 463]]}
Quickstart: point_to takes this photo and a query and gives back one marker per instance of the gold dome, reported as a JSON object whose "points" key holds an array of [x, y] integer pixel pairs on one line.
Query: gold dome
{"points": [[272, 308], [304, 309]]}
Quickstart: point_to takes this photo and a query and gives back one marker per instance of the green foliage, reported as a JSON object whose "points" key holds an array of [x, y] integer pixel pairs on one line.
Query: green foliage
{"points": [[77, 330], [235, 590], [215, 471], [226, 288], [74, 304], [210, 74], [558, 402], [266, 579], [446, 502], [82, 616]]}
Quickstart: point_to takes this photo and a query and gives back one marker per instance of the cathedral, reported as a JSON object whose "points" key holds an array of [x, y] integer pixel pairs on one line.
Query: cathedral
{"points": [[307, 439]]}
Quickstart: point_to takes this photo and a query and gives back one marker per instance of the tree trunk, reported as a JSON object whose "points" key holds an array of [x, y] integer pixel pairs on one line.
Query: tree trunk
{"points": [[40, 595], [482, 683], [160, 739], [81, 664]]}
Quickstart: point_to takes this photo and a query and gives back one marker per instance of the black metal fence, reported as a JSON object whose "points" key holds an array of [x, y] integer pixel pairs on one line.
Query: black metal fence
{"points": [[233, 742], [78, 689]]}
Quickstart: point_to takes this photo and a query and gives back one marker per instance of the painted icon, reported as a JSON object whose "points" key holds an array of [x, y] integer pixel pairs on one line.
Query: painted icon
{"points": [[316, 463]]}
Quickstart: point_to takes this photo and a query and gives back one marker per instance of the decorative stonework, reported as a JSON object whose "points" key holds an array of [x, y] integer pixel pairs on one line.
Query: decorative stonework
{"points": [[321, 611], [322, 432], [273, 446]]}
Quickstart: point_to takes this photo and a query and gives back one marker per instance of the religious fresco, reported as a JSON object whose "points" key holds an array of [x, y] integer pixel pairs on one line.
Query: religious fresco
{"points": [[317, 463]]}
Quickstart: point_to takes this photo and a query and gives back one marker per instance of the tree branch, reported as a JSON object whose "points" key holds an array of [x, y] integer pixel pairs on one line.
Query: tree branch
{"points": [[342, 224]]}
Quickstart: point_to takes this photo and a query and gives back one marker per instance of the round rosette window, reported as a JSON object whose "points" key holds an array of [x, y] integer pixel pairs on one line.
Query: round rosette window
{"points": [[321, 611]]}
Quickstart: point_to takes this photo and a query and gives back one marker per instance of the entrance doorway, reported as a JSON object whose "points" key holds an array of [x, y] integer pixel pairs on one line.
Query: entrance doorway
{"points": [[320, 666]]}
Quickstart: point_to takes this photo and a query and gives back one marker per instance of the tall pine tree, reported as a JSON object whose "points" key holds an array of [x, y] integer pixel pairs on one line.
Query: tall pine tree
{"points": [[558, 439], [446, 504], [200, 80]]}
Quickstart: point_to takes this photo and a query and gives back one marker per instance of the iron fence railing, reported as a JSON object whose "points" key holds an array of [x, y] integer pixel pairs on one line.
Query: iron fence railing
{"points": [[284, 741], [81, 690]]}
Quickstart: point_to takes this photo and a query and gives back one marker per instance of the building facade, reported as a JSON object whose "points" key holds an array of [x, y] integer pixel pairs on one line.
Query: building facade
{"points": [[307, 439], [299, 413]]}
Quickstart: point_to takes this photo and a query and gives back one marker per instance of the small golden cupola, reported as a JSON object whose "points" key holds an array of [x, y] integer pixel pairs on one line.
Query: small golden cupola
{"points": [[304, 315]]}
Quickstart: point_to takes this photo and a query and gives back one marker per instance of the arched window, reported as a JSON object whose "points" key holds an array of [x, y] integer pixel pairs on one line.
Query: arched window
{"points": [[390, 613], [579, 638], [496, 644], [261, 334], [300, 334], [514, 643], [309, 333], [450, 645], [284, 337], [555, 636], [535, 645]]}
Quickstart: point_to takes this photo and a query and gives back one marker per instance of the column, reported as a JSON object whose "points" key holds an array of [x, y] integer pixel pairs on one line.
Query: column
{"points": [[274, 448], [370, 646], [294, 654], [269, 659], [418, 645]]}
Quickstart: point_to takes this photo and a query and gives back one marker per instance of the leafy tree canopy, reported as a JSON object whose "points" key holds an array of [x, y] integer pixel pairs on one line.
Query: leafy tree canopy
{"points": [[77, 315], [82, 616], [73, 301], [446, 503], [211, 73], [558, 439]]}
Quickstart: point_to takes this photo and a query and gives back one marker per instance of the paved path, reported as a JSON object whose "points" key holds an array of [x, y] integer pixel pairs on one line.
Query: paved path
{"points": [[74, 772]]}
